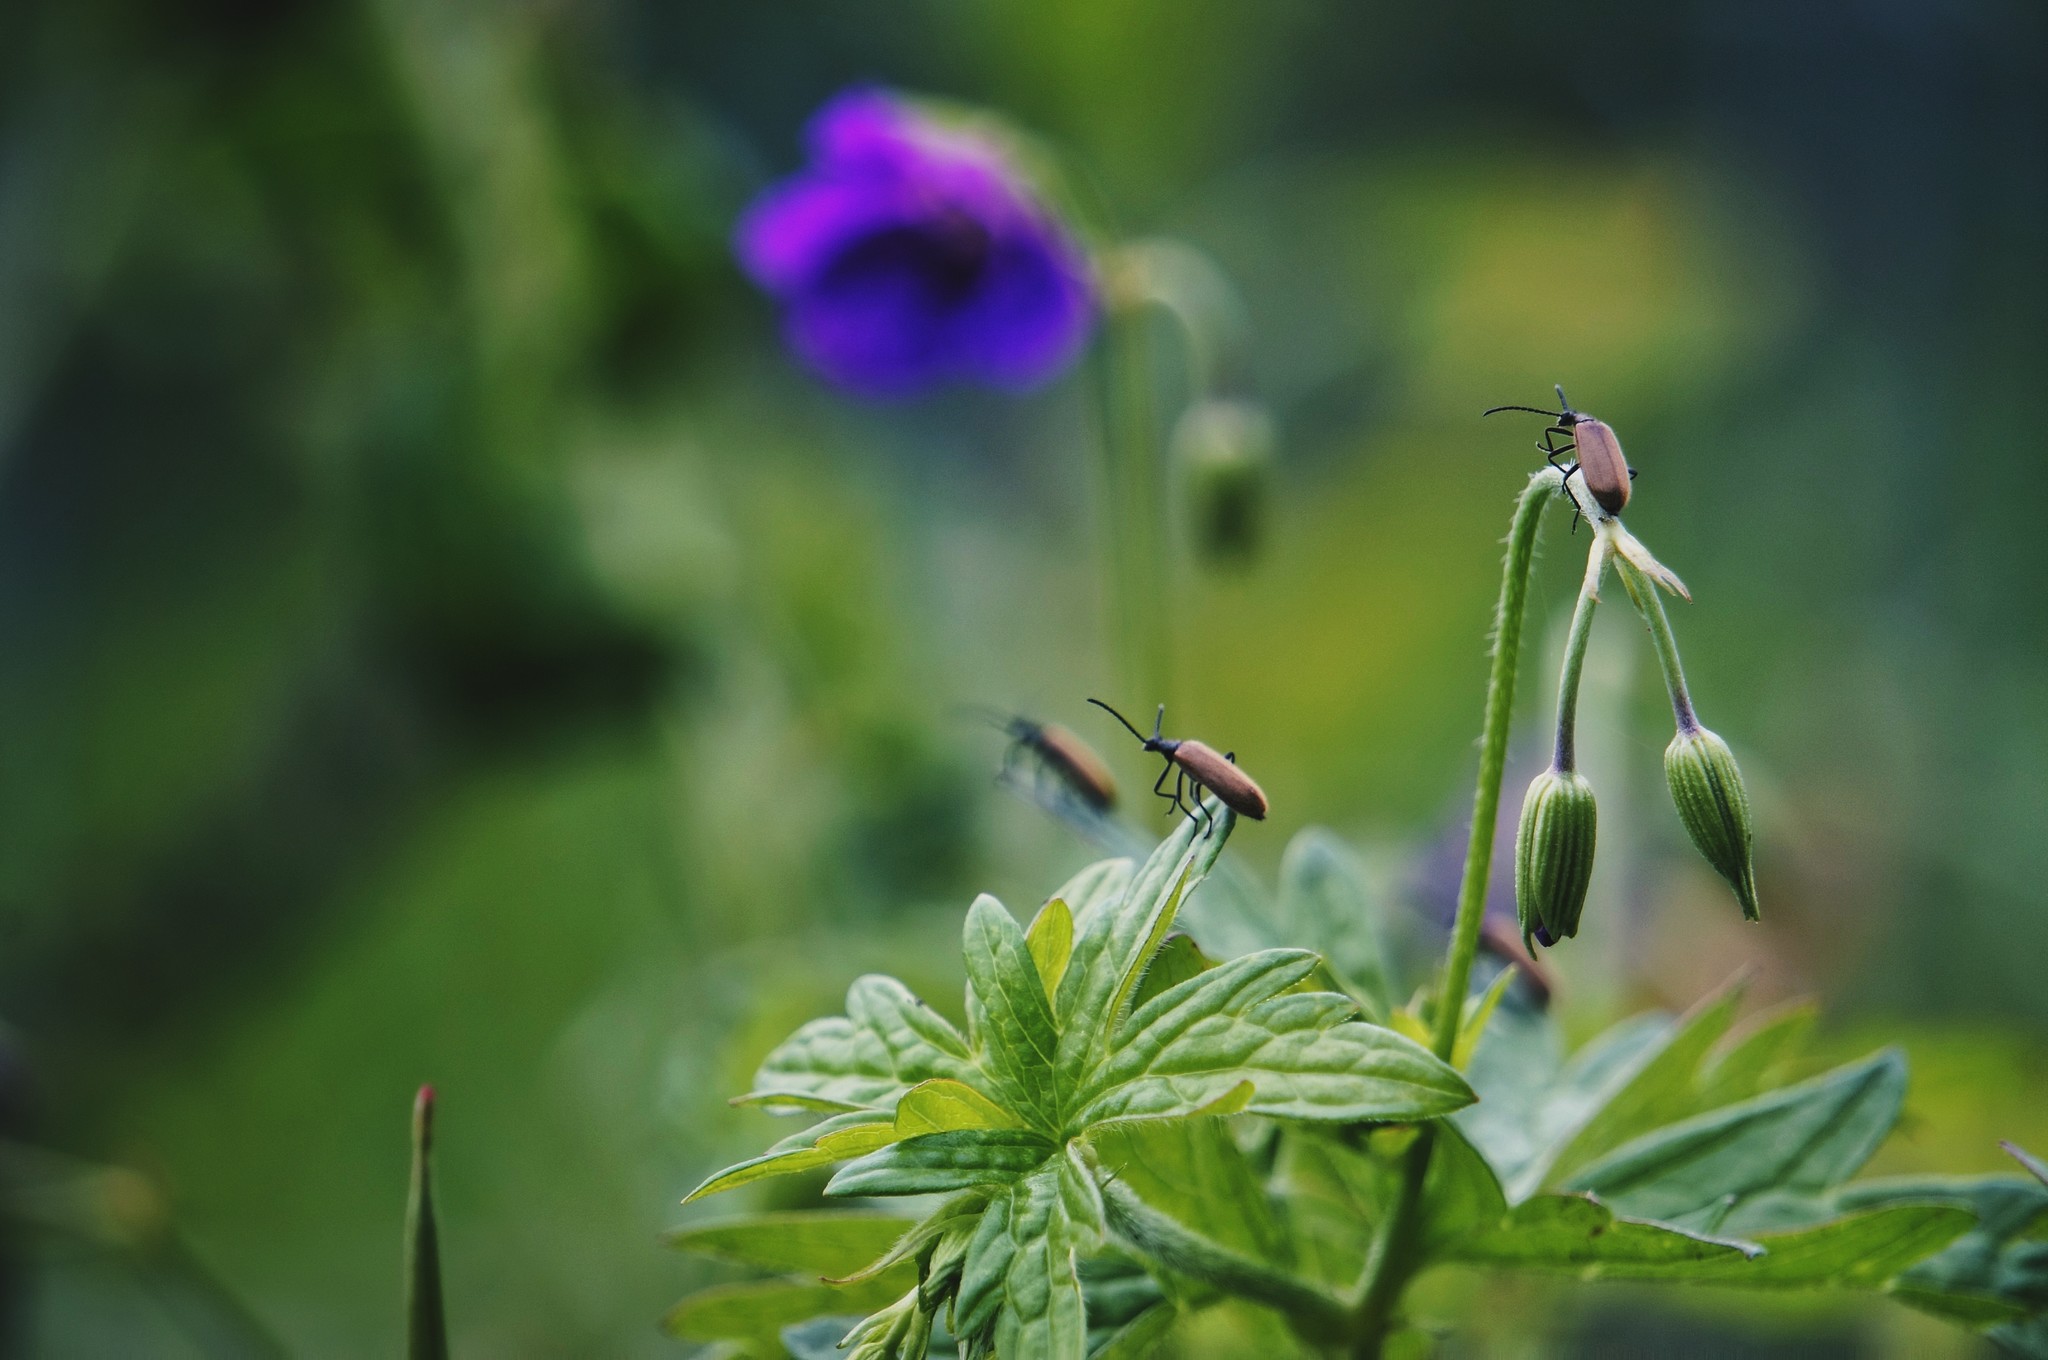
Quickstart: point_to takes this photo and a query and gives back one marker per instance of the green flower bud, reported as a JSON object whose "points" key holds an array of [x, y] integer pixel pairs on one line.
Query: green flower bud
{"points": [[1225, 450], [1554, 855], [1712, 803]]}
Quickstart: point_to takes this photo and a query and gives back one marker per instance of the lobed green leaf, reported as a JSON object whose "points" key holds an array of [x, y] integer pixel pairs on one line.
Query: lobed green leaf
{"points": [[1136, 1339], [1658, 1088], [1051, 937], [1008, 1006], [830, 1244], [1323, 902], [756, 1312], [935, 1163], [1303, 1056], [834, 1140], [941, 1104], [1859, 1251], [1524, 1145], [1192, 1170], [1807, 1137], [1580, 1235], [1174, 1247], [1042, 1315], [1995, 1272], [1757, 1056], [1178, 960], [886, 1043], [1114, 941]]}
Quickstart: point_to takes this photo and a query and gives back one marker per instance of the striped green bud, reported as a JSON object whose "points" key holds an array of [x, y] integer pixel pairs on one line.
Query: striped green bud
{"points": [[1554, 855], [1712, 803]]}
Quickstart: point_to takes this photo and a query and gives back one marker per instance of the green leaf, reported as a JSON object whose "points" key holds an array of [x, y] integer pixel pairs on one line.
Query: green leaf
{"points": [[887, 1042], [830, 1244], [1008, 1008], [1338, 1188], [938, 1105], [982, 1273], [756, 1312], [1305, 1058], [1178, 959], [834, 1140], [1514, 1070], [935, 1163], [956, 1214], [1472, 1021], [1531, 1105], [1757, 1056], [1580, 1235], [1051, 938], [1170, 1244], [1096, 888], [1995, 1272], [1043, 1316], [1323, 903], [1808, 1137], [1113, 943], [1658, 1089], [1136, 1339], [1860, 1251], [1193, 1171], [1080, 1202]]}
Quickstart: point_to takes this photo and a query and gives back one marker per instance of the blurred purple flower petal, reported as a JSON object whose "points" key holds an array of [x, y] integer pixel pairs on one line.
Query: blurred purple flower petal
{"points": [[908, 254]]}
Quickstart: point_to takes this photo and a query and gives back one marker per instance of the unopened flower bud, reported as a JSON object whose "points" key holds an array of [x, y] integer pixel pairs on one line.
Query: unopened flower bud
{"points": [[1712, 803], [1225, 450], [1554, 855]]}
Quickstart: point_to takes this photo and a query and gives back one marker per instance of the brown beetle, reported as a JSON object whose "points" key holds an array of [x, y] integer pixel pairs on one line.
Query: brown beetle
{"points": [[1607, 473], [1197, 763], [1070, 760]]}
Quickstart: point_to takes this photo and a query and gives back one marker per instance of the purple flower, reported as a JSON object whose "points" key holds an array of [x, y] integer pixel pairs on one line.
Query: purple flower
{"points": [[909, 254]]}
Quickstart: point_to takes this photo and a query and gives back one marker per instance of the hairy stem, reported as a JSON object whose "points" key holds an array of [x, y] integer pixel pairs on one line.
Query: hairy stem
{"points": [[1644, 595], [1566, 757], [1392, 1261]]}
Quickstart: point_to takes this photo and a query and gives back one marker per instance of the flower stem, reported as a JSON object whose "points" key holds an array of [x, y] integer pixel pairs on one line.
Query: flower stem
{"points": [[1566, 757], [1140, 607], [1392, 1261], [1644, 594]]}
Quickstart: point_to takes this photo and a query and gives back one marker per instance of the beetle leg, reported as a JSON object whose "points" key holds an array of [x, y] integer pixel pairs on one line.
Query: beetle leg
{"points": [[1160, 786]]}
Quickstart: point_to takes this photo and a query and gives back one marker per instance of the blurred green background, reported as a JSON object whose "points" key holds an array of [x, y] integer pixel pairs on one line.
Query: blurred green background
{"points": [[443, 636]]}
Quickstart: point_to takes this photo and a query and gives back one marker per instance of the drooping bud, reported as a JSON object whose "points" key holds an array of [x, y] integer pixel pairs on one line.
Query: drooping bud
{"points": [[1554, 855], [1225, 451], [1707, 787]]}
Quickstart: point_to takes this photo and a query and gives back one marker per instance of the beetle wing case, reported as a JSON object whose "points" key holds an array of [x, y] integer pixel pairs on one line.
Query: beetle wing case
{"points": [[1600, 459], [1207, 767]]}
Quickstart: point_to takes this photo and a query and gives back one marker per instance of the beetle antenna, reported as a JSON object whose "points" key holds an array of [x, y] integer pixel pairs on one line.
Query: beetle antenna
{"points": [[1537, 409], [1158, 721], [1561, 399], [1119, 717]]}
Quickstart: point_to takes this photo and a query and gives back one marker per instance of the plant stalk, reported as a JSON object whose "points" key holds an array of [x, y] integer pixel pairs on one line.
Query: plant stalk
{"points": [[1392, 1261], [1566, 757], [1644, 594], [426, 1325], [1141, 608]]}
